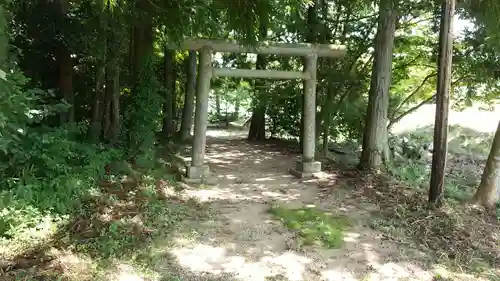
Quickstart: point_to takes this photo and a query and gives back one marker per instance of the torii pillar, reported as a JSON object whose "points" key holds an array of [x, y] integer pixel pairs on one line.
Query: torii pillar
{"points": [[198, 171], [307, 166]]}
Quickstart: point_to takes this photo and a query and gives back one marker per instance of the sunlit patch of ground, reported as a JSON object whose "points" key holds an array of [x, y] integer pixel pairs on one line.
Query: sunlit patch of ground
{"points": [[472, 118], [239, 239], [243, 241]]}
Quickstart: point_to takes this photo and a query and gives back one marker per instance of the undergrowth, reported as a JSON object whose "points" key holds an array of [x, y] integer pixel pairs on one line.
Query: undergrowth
{"points": [[70, 208], [457, 236], [467, 153], [315, 227], [116, 220]]}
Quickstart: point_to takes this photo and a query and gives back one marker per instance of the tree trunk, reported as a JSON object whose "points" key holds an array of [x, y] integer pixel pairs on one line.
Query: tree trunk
{"points": [[111, 123], [327, 117], [4, 40], [257, 131], [442, 104], [143, 38], [112, 105], [188, 110], [114, 93], [65, 70], [66, 83], [174, 95], [237, 109], [217, 103], [488, 192], [99, 103], [375, 147], [168, 105], [98, 108]]}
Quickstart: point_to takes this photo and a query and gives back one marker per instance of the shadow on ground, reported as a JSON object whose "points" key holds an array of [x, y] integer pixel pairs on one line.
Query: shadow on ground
{"points": [[225, 232]]}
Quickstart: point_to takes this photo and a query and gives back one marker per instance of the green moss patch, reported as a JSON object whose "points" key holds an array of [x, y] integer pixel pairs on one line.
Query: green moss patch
{"points": [[315, 227]]}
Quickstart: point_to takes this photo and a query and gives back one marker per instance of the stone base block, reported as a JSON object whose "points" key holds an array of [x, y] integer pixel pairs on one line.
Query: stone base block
{"points": [[199, 175], [306, 169]]}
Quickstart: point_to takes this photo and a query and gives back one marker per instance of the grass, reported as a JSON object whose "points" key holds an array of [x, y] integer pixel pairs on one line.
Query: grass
{"points": [[315, 227], [120, 218], [120, 225]]}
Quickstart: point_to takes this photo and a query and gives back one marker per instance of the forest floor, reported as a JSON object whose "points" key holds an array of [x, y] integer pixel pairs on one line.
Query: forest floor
{"points": [[260, 223], [245, 239]]}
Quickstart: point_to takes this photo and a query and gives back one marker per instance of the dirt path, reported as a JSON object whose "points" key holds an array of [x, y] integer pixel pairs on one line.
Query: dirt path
{"points": [[242, 241]]}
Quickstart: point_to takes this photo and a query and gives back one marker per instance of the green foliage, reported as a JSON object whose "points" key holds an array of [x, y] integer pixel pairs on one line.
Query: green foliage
{"points": [[235, 99], [314, 226], [143, 113], [3, 38], [45, 172]]}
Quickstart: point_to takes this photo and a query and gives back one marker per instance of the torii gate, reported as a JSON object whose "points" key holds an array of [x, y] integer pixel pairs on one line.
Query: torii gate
{"points": [[198, 171]]}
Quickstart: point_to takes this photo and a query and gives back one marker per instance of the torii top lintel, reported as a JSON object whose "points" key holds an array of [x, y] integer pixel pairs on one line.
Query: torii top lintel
{"points": [[302, 49]]}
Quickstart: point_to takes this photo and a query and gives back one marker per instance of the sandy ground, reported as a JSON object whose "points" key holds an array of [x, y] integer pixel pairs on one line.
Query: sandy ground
{"points": [[243, 242]]}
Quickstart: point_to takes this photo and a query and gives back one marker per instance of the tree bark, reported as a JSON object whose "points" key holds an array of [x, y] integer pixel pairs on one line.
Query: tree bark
{"points": [[112, 107], [174, 95], [99, 103], [237, 109], [442, 104], [217, 103], [168, 104], [112, 113], [98, 108], [257, 131], [327, 116], [375, 147], [4, 40], [488, 191], [111, 123], [142, 38], [188, 110], [65, 63]]}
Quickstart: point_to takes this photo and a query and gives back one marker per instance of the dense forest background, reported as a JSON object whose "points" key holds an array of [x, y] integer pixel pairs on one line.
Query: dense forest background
{"points": [[91, 92]]}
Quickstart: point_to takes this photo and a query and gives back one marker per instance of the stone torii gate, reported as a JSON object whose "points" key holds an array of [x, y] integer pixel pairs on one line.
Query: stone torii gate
{"points": [[198, 171]]}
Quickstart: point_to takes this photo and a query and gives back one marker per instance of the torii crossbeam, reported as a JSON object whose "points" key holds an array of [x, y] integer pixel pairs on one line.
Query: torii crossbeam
{"points": [[198, 171]]}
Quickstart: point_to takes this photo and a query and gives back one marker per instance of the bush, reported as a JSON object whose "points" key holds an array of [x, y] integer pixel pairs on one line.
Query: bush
{"points": [[45, 172]]}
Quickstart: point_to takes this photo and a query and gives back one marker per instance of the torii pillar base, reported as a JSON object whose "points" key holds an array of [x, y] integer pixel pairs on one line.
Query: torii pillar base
{"points": [[304, 170], [199, 175]]}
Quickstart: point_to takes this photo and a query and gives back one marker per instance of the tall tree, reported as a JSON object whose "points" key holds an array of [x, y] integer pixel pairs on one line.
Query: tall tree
{"points": [[188, 110], [442, 103], [96, 121], [111, 122], [65, 63], [168, 104], [488, 192], [257, 129], [3, 40], [375, 147]]}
